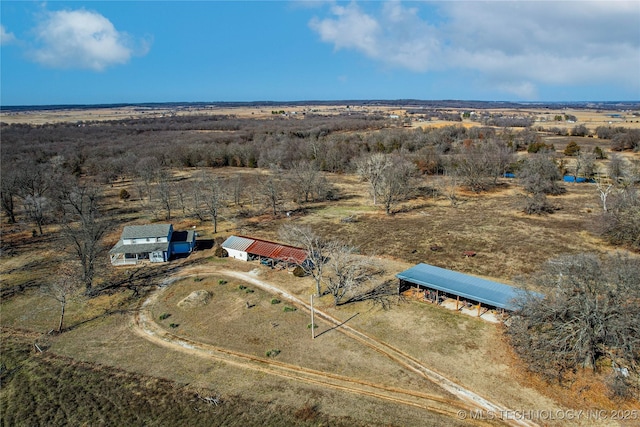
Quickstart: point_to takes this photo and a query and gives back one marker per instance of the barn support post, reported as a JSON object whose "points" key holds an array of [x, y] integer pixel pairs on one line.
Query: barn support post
{"points": [[437, 297], [479, 306], [457, 301]]}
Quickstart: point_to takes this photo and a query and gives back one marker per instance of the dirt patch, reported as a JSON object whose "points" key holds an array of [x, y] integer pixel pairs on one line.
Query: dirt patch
{"points": [[195, 299]]}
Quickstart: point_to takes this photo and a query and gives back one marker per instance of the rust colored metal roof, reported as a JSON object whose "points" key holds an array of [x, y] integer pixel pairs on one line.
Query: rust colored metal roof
{"points": [[277, 251]]}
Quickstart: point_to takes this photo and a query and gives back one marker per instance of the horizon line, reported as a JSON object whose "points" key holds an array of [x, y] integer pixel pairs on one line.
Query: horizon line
{"points": [[402, 101]]}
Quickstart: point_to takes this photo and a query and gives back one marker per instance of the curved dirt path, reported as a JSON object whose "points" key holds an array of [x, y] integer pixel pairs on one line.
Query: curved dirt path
{"points": [[393, 353], [469, 401]]}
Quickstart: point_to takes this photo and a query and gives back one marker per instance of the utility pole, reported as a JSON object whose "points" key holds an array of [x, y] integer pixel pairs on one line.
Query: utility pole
{"points": [[313, 334]]}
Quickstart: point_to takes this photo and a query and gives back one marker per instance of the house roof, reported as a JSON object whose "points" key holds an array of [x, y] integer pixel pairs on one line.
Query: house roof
{"points": [[471, 287], [138, 248], [183, 236], [142, 231], [266, 249]]}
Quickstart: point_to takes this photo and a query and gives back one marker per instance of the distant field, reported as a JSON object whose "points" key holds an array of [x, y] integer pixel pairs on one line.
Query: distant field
{"points": [[544, 117]]}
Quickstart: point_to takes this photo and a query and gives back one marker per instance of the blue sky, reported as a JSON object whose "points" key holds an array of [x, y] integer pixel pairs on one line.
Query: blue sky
{"points": [[93, 52]]}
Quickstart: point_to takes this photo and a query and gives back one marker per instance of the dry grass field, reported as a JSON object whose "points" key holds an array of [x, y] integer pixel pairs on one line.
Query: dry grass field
{"points": [[102, 343]]}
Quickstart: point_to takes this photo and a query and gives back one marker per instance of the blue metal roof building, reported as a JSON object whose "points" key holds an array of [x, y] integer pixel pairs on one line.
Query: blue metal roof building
{"points": [[462, 285]]}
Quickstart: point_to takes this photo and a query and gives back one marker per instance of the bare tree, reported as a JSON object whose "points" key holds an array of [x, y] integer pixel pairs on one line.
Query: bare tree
{"points": [[182, 190], [64, 287], [303, 176], [589, 312], [317, 250], [83, 225], [166, 191], [604, 189], [147, 169], [236, 185], [396, 182], [272, 190], [500, 157], [196, 207], [584, 162], [371, 169], [472, 166], [348, 272], [539, 176], [616, 167], [620, 224], [447, 186], [33, 184], [9, 193], [214, 197]]}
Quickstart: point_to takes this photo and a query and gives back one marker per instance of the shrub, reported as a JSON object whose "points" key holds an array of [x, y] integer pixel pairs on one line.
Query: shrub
{"points": [[314, 326], [220, 252], [580, 130], [537, 204], [600, 155], [222, 282], [535, 147], [572, 149], [242, 287], [198, 279], [124, 194], [173, 325], [287, 308], [273, 353], [249, 291], [164, 316], [275, 301], [299, 271]]}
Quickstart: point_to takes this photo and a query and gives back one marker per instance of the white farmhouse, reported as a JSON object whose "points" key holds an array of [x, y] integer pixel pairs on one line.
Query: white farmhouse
{"points": [[155, 243]]}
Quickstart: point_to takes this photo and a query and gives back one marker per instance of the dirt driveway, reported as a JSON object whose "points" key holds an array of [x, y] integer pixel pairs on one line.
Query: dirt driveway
{"points": [[466, 400]]}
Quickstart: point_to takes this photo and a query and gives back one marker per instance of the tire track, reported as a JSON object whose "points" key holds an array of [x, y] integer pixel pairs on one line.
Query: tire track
{"points": [[469, 401], [392, 353], [151, 331]]}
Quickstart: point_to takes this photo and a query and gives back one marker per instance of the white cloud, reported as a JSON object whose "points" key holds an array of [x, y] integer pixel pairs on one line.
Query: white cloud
{"points": [[6, 37], [351, 29], [82, 39], [514, 46], [397, 38]]}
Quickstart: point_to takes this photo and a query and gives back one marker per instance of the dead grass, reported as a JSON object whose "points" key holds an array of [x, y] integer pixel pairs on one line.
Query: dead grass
{"points": [[507, 242], [227, 322], [110, 341], [47, 389]]}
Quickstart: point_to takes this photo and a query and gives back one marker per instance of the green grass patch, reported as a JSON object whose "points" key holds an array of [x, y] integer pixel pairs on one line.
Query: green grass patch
{"points": [[287, 308], [275, 301], [222, 282], [273, 353], [164, 316]]}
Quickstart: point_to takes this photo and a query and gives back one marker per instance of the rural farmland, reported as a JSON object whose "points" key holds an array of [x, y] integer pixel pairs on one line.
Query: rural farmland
{"points": [[167, 255]]}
